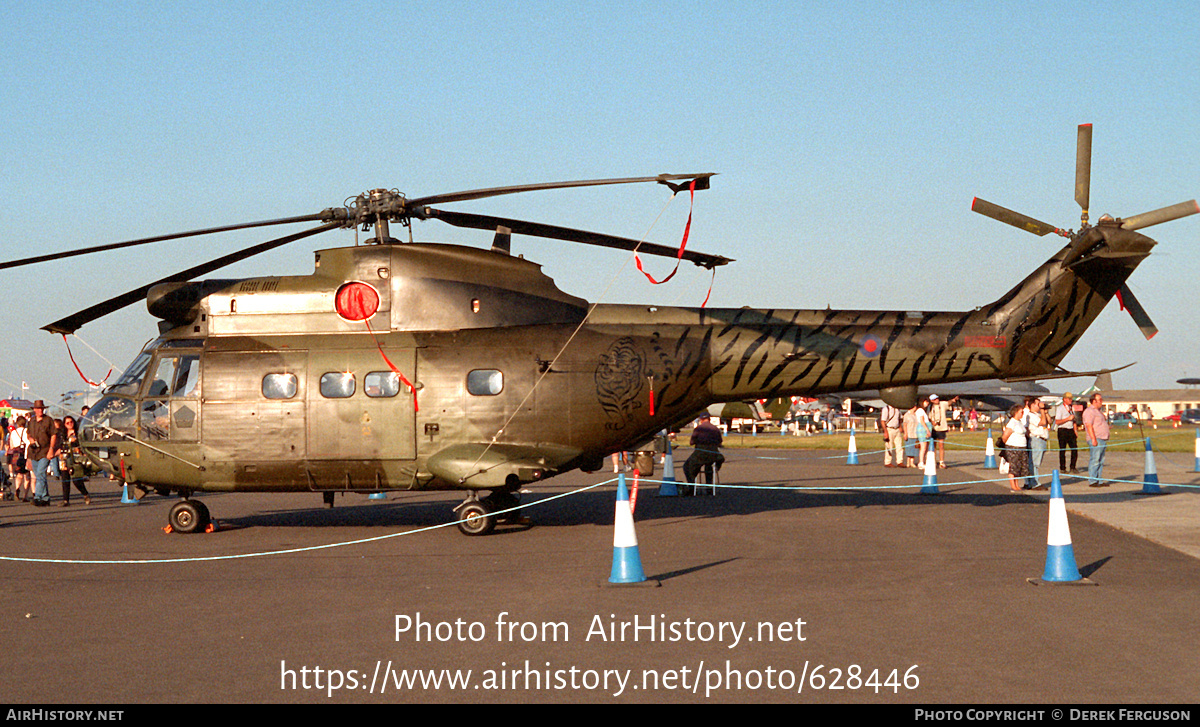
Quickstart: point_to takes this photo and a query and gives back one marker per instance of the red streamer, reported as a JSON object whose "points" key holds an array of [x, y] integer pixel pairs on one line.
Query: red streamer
{"points": [[89, 381], [686, 231], [392, 366], [710, 287]]}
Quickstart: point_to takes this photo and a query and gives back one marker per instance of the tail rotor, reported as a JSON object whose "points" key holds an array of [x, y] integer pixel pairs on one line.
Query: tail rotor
{"points": [[1087, 247]]}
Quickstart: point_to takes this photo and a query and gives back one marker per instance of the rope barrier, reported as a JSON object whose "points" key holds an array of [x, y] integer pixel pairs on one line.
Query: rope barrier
{"points": [[551, 498], [288, 551]]}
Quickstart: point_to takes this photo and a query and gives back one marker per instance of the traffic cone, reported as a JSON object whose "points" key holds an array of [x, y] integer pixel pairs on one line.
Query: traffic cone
{"points": [[125, 498], [627, 561], [989, 453], [1060, 555], [852, 449], [668, 487], [1150, 479], [929, 484]]}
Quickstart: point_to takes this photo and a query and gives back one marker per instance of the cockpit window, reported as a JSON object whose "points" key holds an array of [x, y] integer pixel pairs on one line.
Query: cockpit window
{"points": [[187, 375], [132, 378], [113, 417], [175, 376]]}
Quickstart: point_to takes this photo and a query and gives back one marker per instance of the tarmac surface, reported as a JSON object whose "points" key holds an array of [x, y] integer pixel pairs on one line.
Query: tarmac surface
{"points": [[804, 580]]}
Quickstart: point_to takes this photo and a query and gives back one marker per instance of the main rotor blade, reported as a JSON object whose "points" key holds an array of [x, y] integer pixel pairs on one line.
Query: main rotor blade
{"points": [[1016, 219], [73, 322], [552, 232], [1136, 311], [1083, 166], [497, 191], [158, 238], [1158, 216]]}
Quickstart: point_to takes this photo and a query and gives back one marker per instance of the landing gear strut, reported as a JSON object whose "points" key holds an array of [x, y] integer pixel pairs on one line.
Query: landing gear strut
{"points": [[189, 516]]}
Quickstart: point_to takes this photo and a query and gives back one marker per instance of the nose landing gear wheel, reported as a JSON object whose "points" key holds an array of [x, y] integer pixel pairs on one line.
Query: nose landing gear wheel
{"points": [[188, 516], [474, 518]]}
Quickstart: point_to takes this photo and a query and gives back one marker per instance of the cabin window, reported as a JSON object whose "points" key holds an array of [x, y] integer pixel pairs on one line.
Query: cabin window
{"points": [[379, 384], [485, 382], [337, 385], [279, 386]]}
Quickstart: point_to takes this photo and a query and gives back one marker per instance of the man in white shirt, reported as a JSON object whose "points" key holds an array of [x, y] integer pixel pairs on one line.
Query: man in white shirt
{"points": [[893, 439], [1064, 423]]}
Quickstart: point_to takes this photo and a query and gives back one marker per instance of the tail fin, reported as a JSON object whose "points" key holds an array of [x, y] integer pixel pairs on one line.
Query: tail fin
{"points": [[1043, 317]]}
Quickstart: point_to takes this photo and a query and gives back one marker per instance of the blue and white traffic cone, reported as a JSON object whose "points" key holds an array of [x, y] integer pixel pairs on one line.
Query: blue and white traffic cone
{"points": [[1150, 479], [126, 499], [668, 487], [852, 449], [989, 453], [929, 484], [627, 561], [1060, 554]]}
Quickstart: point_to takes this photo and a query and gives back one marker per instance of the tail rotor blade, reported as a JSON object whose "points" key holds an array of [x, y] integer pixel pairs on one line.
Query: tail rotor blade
{"points": [[1016, 219], [1166, 214], [1136, 311], [1083, 167]]}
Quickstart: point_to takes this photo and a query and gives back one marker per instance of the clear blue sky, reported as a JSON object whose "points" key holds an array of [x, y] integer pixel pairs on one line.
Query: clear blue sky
{"points": [[850, 139]]}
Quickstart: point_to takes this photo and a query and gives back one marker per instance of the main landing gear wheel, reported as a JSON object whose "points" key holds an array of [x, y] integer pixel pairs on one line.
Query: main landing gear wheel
{"points": [[188, 516], [475, 518]]}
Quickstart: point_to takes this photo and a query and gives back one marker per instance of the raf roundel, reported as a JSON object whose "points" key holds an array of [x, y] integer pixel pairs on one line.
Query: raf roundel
{"points": [[356, 301], [870, 346]]}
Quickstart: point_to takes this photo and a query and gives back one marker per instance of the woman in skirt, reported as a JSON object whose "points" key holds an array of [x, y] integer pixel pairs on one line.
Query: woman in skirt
{"points": [[1016, 447]]}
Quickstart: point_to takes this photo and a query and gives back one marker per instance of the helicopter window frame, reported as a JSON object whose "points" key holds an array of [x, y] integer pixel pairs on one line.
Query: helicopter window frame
{"points": [[280, 385], [381, 384], [485, 382], [338, 384]]}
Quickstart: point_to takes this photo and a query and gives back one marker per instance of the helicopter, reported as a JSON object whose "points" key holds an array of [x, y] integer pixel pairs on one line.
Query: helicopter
{"points": [[429, 366]]}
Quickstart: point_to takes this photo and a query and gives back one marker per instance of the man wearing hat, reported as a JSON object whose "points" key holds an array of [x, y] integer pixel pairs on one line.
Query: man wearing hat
{"points": [[1064, 423], [706, 439], [43, 444]]}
